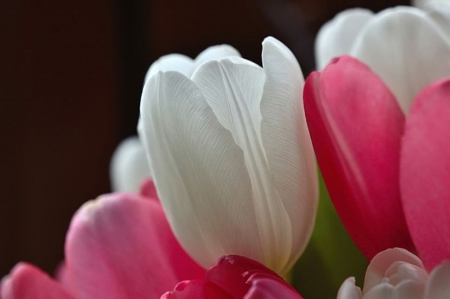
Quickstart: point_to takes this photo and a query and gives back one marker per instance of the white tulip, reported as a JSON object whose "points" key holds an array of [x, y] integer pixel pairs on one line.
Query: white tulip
{"points": [[232, 159], [407, 47], [398, 274], [129, 166]]}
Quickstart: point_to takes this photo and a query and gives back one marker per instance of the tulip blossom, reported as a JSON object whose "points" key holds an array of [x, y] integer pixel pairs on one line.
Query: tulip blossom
{"points": [[232, 158], [129, 166], [235, 277], [387, 176], [398, 274], [407, 47], [118, 246]]}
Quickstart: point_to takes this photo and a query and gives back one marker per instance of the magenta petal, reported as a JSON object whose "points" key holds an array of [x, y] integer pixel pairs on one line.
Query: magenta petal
{"points": [[356, 127], [28, 282], [264, 287], [235, 277], [425, 173], [232, 272], [196, 289], [121, 246]]}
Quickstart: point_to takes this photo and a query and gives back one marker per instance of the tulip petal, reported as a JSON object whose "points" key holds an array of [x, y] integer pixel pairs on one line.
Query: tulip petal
{"points": [[185, 65], [406, 48], [233, 88], [425, 172], [349, 290], [196, 289], [266, 288], [292, 165], [235, 277], [405, 290], [337, 36], [438, 286], [199, 171], [382, 261], [120, 246], [129, 166], [172, 62], [215, 53], [356, 127], [28, 282]]}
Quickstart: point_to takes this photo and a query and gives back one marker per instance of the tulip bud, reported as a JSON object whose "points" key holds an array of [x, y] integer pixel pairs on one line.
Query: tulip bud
{"points": [[232, 159]]}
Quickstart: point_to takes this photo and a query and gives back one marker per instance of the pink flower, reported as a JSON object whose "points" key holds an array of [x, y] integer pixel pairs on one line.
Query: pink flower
{"points": [[398, 274], [121, 246], [388, 177], [235, 277]]}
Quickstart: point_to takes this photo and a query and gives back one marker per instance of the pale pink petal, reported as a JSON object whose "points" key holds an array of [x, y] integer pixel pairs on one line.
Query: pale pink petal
{"points": [[381, 266], [348, 290], [121, 246], [356, 127], [425, 173], [28, 282], [438, 286]]}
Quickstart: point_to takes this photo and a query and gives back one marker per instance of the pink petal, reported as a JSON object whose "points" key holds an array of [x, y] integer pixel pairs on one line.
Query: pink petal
{"points": [[148, 189], [269, 288], [61, 276], [235, 277], [356, 127], [425, 173], [121, 246], [196, 289], [28, 282]]}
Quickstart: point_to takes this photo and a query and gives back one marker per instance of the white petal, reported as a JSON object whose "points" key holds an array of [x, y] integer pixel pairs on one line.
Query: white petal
{"points": [[441, 16], [405, 290], [215, 53], [172, 62], [199, 172], [337, 36], [438, 286], [348, 290], [129, 166], [406, 48], [382, 262], [381, 291], [233, 88], [426, 3], [287, 142]]}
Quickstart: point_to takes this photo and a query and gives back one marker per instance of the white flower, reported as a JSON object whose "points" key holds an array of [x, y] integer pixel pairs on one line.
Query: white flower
{"points": [[129, 166], [407, 47], [232, 158], [398, 274]]}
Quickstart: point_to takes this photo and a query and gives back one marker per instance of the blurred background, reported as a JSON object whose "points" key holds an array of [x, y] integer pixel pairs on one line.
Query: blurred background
{"points": [[72, 74]]}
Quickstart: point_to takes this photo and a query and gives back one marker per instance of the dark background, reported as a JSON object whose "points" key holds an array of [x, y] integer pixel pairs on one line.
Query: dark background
{"points": [[72, 73]]}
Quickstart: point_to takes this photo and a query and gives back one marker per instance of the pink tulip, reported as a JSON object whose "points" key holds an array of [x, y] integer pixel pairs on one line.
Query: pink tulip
{"points": [[388, 178], [120, 246], [235, 277]]}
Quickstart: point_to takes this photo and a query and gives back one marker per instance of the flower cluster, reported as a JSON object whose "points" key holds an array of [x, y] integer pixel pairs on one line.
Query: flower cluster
{"points": [[217, 197]]}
